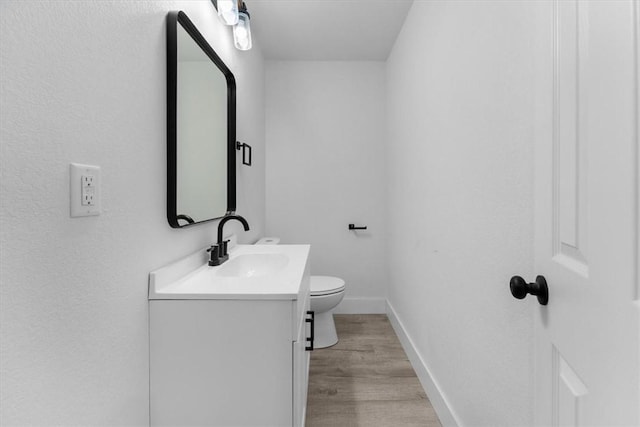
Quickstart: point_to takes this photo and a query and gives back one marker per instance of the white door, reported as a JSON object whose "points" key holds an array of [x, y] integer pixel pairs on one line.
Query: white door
{"points": [[587, 339]]}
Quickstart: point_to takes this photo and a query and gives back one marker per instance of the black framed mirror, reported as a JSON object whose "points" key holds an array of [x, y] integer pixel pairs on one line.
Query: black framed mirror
{"points": [[201, 127]]}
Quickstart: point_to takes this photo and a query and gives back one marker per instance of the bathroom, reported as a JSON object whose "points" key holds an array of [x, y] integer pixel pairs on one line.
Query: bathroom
{"points": [[421, 120]]}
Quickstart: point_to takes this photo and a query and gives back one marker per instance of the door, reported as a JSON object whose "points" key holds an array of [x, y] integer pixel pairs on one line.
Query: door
{"points": [[587, 339]]}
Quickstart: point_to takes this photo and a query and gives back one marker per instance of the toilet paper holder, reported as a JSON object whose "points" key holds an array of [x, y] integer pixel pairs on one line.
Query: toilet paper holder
{"points": [[353, 227]]}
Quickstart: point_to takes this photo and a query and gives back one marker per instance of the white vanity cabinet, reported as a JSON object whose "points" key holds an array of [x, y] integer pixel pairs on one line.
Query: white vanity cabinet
{"points": [[229, 358]]}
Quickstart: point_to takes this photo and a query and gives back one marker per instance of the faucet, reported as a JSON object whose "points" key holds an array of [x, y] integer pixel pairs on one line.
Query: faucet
{"points": [[219, 251]]}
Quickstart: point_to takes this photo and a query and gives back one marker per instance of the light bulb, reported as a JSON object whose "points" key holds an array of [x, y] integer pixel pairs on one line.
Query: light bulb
{"points": [[228, 11], [242, 32]]}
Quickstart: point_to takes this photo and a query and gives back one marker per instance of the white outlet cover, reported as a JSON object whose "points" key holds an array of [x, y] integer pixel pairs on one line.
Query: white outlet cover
{"points": [[76, 172]]}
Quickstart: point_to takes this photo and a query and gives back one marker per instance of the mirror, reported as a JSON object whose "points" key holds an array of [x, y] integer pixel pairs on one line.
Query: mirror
{"points": [[201, 127]]}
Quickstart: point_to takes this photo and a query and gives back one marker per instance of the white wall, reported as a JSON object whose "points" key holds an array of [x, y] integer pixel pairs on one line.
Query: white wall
{"points": [[326, 169], [460, 97], [86, 82]]}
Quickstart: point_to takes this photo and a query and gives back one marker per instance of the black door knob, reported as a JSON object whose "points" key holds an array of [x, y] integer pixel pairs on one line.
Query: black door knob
{"points": [[520, 288]]}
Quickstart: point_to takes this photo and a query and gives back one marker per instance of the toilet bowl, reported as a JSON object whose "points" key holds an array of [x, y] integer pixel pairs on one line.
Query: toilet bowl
{"points": [[326, 294]]}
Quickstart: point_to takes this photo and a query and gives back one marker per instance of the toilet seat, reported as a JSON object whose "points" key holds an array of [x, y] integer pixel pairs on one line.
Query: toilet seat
{"points": [[325, 285]]}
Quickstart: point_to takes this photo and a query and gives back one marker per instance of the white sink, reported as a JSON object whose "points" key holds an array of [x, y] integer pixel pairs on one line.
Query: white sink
{"points": [[253, 265], [252, 272]]}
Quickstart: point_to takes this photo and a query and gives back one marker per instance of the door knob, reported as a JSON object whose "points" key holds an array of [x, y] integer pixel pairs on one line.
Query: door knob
{"points": [[520, 288]]}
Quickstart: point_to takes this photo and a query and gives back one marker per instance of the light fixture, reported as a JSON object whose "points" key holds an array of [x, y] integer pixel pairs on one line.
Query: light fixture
{"points": [[227, 11], [242, 30], [234, 12]]}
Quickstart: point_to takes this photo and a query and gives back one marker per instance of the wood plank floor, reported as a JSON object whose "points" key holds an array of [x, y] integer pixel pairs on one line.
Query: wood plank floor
{"points": [[365, 379]]}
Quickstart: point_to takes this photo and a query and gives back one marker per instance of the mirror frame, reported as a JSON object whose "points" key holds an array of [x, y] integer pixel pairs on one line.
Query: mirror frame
{"points": [[173, 20]]}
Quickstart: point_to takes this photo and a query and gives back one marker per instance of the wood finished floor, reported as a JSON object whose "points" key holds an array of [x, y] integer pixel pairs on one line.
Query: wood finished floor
{"points": [[366, 379]]}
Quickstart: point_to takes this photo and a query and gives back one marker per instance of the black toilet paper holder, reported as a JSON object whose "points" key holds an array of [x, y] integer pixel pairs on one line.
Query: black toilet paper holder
{"points": [[353, 227]]}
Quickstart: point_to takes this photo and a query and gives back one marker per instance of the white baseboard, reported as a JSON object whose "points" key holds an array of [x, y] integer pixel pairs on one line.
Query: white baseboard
{"points": [[361, 306], [438, 400]]}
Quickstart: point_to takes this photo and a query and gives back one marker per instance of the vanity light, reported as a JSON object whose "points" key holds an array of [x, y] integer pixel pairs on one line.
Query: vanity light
{"points": [[227, 11], [242, 30], [234, 12]]}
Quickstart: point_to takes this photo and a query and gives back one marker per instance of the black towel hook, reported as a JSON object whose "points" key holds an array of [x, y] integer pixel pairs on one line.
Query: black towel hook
{"points": [[246, 148]]}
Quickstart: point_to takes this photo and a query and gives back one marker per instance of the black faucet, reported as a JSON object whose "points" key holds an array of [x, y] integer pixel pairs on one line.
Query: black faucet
{"points": [[219, 251]]}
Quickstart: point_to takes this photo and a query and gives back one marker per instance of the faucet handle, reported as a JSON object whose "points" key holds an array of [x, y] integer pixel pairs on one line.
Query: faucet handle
{"points": [[223, 250], [214, 260]]}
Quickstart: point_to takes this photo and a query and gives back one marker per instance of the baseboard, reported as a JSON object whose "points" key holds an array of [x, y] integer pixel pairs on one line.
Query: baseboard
{"points": [[361, 306], [438, 400]]}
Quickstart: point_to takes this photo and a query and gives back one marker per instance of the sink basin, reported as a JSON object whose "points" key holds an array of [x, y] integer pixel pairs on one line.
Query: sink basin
{"points": [[253, 272], [254, 265]]}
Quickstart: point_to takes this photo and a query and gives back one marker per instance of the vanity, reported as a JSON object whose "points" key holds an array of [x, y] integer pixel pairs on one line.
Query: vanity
{"points": [[229, 344], [229, 333]]}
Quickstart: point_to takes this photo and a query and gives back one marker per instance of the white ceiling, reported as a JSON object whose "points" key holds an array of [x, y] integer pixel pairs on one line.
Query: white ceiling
{"points": [[324, 30]]}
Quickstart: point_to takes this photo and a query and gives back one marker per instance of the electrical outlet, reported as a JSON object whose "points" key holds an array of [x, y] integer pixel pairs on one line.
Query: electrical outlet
{"points": [[85, 190], [88, 190]]}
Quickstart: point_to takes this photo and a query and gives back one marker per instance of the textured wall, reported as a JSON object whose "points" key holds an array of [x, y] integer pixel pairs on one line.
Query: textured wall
{"points": [[460, 167], [326, 169], [86, 82]]}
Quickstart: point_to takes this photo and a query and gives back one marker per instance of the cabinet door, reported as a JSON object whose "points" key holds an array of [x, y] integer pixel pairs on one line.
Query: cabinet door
{"points": [[301, 368], [220, 363]]}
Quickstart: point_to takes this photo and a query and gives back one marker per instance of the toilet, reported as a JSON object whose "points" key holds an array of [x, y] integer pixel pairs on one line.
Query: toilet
{"points": [[326, 294]]}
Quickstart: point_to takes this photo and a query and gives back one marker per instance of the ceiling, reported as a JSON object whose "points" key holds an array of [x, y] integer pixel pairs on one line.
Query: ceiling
{"points": [[326, 30]]}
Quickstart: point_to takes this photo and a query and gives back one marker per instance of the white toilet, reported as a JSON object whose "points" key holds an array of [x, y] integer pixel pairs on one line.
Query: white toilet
{"points": [[326, 294]]}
